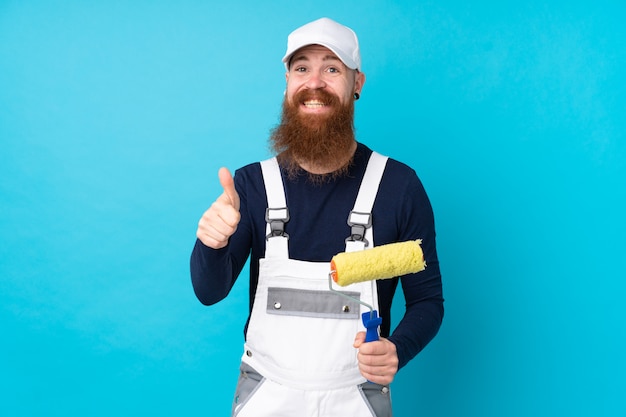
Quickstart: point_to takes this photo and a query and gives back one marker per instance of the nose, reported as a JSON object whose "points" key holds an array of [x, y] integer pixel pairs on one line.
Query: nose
{"points": [[315, 81]]}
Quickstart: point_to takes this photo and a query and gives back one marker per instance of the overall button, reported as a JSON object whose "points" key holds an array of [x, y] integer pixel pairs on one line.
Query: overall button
{"points": [[277, 305]]}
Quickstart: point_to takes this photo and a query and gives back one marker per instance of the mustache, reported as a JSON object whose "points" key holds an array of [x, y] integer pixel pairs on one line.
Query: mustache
{"points": [[324, 96]]}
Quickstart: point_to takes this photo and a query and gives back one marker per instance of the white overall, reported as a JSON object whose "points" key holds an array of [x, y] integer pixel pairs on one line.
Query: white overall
{"points": [[300, 334]]}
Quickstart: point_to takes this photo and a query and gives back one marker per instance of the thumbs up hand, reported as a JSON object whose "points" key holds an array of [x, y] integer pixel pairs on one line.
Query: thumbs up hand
{"points": [[220, 221]]}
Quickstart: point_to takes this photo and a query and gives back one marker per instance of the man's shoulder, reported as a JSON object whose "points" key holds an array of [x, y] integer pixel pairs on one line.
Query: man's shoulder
{"points": [[393, 165], [249, 175], [250, 168]]}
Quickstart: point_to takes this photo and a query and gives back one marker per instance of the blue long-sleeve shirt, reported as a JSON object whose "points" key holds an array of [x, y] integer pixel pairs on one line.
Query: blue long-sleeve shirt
{"points": [[317, 231]]}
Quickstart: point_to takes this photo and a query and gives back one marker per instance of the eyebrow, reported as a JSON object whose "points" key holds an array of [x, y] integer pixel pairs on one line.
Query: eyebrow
{"points": [[303, 57]]}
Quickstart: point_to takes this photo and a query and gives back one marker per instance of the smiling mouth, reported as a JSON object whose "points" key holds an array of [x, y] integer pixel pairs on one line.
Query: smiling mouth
{"points": [[314, 104]]}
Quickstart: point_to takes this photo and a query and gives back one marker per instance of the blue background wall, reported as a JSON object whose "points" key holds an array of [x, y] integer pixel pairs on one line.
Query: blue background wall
{"points": [[115, 116]]}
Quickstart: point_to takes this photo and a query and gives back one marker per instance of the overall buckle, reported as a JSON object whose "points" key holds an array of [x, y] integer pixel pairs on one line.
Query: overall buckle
{"points": [[359, 223], [276, 218]]}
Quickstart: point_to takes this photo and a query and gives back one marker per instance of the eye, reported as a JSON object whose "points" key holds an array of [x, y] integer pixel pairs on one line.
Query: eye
{"points": [[299, 69], [333, 70]]}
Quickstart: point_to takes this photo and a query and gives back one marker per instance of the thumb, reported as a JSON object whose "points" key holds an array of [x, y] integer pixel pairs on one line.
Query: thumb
{"points": [[359, 339], [228, 184]]}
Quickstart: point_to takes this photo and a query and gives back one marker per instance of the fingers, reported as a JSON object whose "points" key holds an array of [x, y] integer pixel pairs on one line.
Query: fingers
{"points": [[378, 361], [218, 224], [228, 184]]}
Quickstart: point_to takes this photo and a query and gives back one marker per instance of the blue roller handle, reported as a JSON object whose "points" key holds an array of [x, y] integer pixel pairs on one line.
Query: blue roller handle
{"points": [[371, 321]]}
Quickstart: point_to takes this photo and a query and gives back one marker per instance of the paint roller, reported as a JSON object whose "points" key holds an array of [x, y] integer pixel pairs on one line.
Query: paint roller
{"points": [[380, 262]]}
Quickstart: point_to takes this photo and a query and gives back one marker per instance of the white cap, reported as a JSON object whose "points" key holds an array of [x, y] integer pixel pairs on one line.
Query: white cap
{"points": [[340, 39]]}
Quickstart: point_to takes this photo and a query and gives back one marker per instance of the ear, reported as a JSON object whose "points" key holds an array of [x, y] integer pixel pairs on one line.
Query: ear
{"points": [[359, 81]]}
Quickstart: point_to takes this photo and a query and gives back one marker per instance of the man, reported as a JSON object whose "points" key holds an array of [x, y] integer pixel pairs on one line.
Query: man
{"points": [[324, 193]]}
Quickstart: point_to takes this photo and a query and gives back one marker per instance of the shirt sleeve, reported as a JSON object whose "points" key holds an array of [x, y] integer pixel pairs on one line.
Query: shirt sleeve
{"points": [[215, 271], [422, 291]]}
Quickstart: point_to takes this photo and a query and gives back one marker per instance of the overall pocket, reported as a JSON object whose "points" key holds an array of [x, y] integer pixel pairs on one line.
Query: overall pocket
{"points": [[378, 398], [249, 382]]}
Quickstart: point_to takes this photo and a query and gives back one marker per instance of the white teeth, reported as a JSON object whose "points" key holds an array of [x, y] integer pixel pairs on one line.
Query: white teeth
{"points": [[313, 104]]}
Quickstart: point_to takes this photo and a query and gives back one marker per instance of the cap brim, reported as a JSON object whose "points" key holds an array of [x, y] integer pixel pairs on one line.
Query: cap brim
{"points": [[348, 62]]}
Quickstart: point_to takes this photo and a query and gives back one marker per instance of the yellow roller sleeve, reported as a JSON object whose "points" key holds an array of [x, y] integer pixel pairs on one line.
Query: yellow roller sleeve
{"points": [[380, 262]]}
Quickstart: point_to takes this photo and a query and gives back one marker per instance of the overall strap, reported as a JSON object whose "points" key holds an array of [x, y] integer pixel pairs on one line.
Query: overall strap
{"points": [[276, 214], [360, 218]]}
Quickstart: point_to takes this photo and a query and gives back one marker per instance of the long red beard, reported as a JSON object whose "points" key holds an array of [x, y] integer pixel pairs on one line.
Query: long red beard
{"points": [[317, 140]]}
